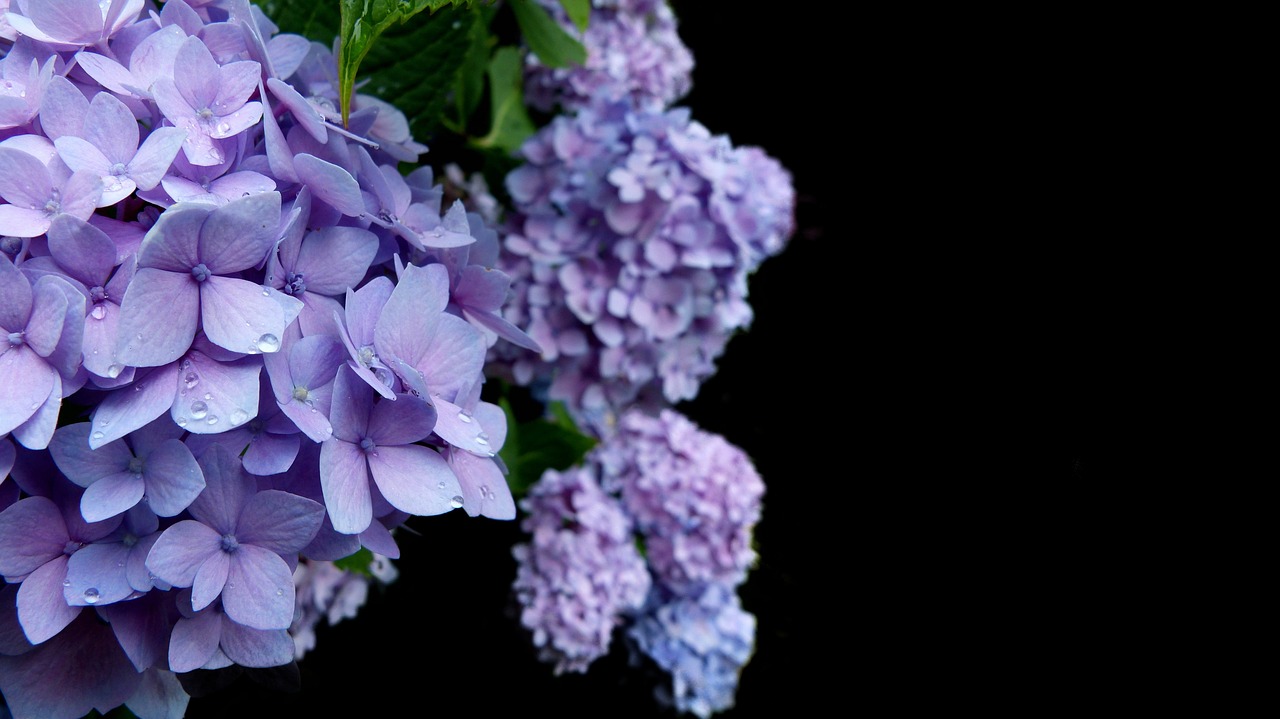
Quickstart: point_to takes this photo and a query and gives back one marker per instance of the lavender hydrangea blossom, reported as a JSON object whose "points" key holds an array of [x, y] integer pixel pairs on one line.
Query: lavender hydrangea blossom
{"points": [[692, 500], [580, 575], [633, 51], [694, 497], [189, 237], [634, 234], [703, 640]]}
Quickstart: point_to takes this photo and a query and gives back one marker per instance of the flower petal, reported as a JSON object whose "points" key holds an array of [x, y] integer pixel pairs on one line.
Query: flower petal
{"points": [[194, 641], [238, 235], [227, 490], [111, 495], [414, 479], [282, 522], [242, 316], [256, 648], [259, 591], [179, 552], [225, 396], [485, 492], [96, 575], [210, 579], [120, 413], [173, 478], [32, 532], [158, 317], [344, 476], [42, 610], [155, 156], [27, 380]]}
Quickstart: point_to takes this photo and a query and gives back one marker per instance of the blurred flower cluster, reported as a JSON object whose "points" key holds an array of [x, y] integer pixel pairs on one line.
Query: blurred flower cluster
{"points": [[247, 333]]}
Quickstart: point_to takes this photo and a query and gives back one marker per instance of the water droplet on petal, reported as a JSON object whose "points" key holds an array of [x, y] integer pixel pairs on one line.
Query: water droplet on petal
{"points": [[192, 379], [239, 417], [223, 128], [266, 293], [268, 343], [98, 312], [182, 421], [213, 419], [462, 415], [114, 371], [97, 435], [91, 595], [199, 410], [66, 582], [279, 592], [440, 485], [456, 502], [208, 396], [480, 440]]}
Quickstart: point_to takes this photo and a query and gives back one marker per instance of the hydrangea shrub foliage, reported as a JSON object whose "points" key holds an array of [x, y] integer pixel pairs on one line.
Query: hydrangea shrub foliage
{"points": [[248, 323]]}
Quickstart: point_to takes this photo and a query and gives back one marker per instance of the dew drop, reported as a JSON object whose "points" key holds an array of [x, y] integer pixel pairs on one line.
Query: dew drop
{"points": [[98, 312], [199, 409], [114, 371], [66, 582], [216, 155], [279, 592], [239, 417], [456, 502], [268, 343], [213, 419], [231, 585], [480, 440], [440, 485], [182, 421], [462, 415], [223, 128], [266, 293], [97, 435], [91, 595], [192, 379]]}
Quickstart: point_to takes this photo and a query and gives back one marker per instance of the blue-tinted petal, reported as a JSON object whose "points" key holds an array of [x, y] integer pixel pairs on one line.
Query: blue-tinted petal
{"points": [[180, 550], [227, 490], [414, 479], [282, 522], [97, 576], [158, 317], [344, 476], [259, 591], [41, 609]]}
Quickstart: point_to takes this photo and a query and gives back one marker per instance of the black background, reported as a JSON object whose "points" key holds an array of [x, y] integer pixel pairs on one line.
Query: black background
{"points": [[443, 639]]}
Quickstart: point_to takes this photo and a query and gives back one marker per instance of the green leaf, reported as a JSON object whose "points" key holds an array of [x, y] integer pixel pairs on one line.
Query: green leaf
{"points": [[511, 125], [533, 447], [358, 562], [364, 21], [469, 89], [579, 11], [546, 39], [415, 66]]}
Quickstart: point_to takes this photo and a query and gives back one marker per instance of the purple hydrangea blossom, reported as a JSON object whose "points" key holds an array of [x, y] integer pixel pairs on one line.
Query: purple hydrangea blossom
{"points": [[633, 51], [236, 544], [703, 640], [580, 575], [187, 265], [694, 497], [634, 235]]}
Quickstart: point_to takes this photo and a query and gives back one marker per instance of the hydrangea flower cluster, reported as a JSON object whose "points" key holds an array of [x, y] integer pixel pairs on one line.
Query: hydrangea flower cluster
{"points": [[634, 233], [692, 500], [237, 343], [633, 51], [580, 572]]}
